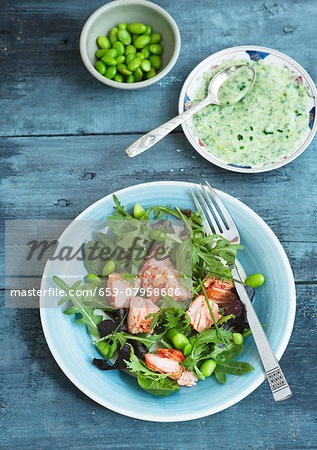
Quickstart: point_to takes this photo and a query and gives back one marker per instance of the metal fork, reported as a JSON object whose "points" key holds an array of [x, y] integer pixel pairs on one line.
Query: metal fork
{"points": [[226, 228]]}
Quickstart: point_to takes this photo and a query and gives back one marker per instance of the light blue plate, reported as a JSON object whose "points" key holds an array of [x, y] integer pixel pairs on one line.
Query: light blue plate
{"points": [[275, 304]]}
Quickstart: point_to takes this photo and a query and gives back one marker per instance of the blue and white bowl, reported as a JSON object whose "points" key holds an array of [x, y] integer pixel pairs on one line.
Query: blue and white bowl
{"points": [[255, 53], [274, 302]]}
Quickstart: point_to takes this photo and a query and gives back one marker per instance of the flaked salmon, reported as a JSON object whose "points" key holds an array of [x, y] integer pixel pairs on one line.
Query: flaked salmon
{"points": [[160, 278], [166, 360], [220, 291], [188, 379], [200, 317], [139, 309], [121, 290]]}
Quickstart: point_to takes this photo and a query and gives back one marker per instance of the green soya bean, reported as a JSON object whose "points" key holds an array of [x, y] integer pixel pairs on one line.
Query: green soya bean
{"points": [[103, 42], [146, 65], [112, 52], [237, 338], [104, 348], [138, 211], [146, 51], [134, 64], [119, 47], [156, 61], [138, 74], [111, 72], [156, 49], [171, 333], [100, 67], [134, 37], [255, 280], [122, 68], [187, 350], [112, 349], [180, 341], [123, 26], [109, 61], [90, 278], [137, 28], [155, 38], [100, 53], [124, 36], [130, 79], [192, 340], [110, 266], [150, 74], [130, 49], [148, 30], [120, 59], [129, 57], [208, 367], [139, 55], [142, 41], [113, 35], [119, 78]]}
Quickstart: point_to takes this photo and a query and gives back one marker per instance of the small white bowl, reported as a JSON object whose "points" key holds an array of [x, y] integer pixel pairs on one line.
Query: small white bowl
{"points": [[130, 11], [251, 52]]}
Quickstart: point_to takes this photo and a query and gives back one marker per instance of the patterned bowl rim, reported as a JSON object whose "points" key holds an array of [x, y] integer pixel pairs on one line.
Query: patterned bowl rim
{"points": [[234, 168]]}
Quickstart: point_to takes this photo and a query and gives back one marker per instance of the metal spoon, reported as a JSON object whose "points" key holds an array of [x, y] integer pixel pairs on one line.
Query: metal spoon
{"points": [[151, 138]]}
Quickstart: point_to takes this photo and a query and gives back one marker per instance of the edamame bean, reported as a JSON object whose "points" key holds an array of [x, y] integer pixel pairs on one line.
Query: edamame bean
{"points": [[138, 211], [104, 348], [134, 64], [112, 349], [156, 49], [113, 35], [119, 78], [137, 28], [123, 26], [146, 65], [142, 41], [179, 341], [138, 74], [187, 350], [157, 235], [139, 55], [91, 277], [110, 266], [146, 51], [119, 47], [148, 30], [100, 67], [120, 59], [103, 42], [111, 72], [155, 61], [208, 367], [255, 280], [123, 69], [237, 338], [124, 36], [150, 74], [130, 79], [100, 53], [130, 49], [192, 340], [134, 37], [155, 38], [171, 333], [129, 57], [112, 52], [109, 61]]}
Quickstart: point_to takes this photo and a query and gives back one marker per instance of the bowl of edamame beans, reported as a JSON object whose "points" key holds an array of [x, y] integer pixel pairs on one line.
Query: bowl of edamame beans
{"points": [[130, 44]]}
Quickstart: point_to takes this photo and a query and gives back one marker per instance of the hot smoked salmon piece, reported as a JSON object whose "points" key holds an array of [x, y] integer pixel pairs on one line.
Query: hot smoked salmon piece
{"points": [[166, 360], [188, 379], [139, 309], [121, 290], [200, 317], [220, 291]]}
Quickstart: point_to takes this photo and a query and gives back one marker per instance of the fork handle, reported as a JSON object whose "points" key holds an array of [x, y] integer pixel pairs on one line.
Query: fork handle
{"points": [[278, 384]]}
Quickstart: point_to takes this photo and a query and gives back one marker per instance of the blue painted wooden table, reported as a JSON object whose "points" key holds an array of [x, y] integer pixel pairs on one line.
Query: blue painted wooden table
{"points": [[62, 137]]}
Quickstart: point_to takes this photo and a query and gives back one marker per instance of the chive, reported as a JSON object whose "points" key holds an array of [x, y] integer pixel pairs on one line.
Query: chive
{"points": [[281, 131], [251, 128], [268, 132], [251, 138], [242, 147], [240, 137]]}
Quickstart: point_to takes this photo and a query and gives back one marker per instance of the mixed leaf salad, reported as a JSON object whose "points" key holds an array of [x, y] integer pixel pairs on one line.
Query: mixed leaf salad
{"points": [[159, 300]]}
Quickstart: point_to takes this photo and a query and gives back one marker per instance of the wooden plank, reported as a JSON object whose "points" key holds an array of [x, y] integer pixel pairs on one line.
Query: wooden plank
{"points": [[40, 408], [46, 89]]}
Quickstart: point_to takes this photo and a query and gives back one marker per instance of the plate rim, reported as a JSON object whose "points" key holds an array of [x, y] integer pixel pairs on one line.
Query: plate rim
{"points": [[200, 413], [227, 166]]}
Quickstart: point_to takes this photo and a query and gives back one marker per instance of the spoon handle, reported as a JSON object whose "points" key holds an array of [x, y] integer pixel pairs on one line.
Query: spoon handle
{"points": [[151, 138]]}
